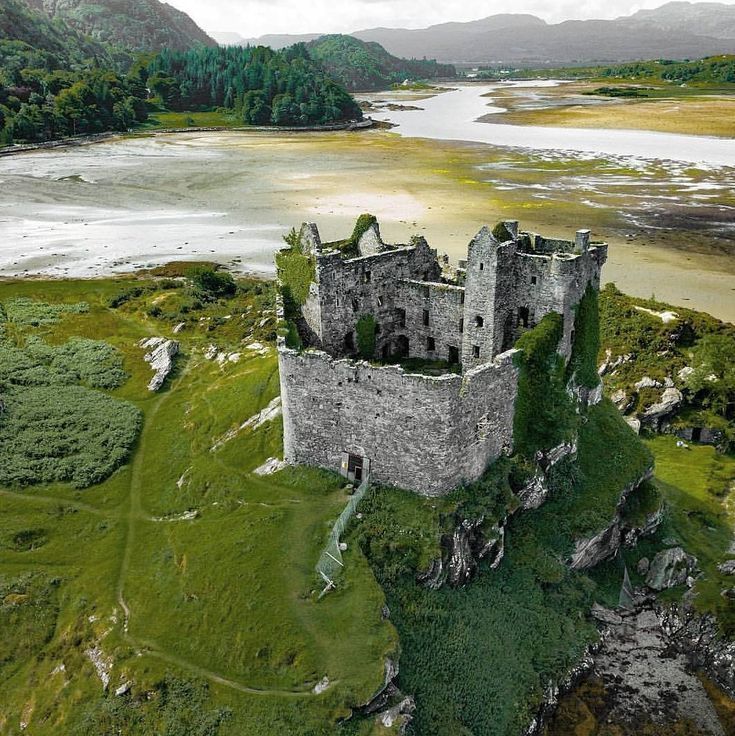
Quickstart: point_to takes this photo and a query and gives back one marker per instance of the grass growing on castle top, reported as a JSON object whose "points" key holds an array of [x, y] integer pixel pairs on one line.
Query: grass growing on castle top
{"points": [[214, 565]]}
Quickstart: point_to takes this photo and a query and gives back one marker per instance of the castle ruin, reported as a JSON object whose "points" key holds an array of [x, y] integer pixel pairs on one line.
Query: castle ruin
{"points": [[433, 407]]}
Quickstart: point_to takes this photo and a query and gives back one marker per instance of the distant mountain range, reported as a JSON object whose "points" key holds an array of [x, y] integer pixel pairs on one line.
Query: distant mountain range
{"points": [[677, 30], [133, 25]]}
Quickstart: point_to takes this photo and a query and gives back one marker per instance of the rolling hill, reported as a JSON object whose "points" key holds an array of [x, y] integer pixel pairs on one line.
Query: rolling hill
{"points": [[365, 66], [677, 30]]}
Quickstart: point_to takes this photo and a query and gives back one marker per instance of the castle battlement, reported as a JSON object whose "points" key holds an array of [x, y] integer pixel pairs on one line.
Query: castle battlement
{"points": [[434, 404]]}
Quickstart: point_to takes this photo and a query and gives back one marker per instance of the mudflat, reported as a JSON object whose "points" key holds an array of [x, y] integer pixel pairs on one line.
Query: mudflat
{"points": [[229, 197]]}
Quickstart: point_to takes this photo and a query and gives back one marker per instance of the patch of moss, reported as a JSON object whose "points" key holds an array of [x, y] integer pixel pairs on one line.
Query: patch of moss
{"points": [[501, 233], [583, 363], [544, 415]]}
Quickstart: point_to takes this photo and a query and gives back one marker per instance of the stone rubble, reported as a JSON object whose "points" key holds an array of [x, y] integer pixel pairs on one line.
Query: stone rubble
{"points": [[669, 568]]}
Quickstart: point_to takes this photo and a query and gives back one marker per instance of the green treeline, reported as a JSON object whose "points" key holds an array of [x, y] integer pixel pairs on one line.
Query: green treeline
{"points": [[41, 104], [263, 86]]}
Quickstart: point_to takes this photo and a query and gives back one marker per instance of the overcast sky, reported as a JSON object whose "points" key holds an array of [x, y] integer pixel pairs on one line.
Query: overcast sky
{"points": [[252, 18]]}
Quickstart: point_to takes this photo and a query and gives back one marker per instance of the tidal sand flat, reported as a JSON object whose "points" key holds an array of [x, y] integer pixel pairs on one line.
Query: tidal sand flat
{"points": [[567, 106], [229, 197]]}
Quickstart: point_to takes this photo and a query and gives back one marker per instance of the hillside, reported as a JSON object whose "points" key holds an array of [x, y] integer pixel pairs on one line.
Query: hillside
{"points": [[675, 31], [26, 33], [138, 25], [362, 66]]}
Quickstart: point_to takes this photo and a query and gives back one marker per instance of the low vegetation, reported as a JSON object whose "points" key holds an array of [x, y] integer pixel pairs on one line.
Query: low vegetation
{"points": [[214, 564], [658, 341]]}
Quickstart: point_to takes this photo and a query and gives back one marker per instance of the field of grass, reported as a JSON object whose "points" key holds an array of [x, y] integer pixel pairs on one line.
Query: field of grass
{"points": [[211, 615], [214, 119]]}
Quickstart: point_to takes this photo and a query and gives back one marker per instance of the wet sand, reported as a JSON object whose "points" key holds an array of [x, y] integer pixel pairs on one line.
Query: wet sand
{"points": [[229, 197]]}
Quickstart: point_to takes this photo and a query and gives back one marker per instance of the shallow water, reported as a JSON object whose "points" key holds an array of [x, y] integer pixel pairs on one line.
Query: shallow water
{"points": [[453, 115]]}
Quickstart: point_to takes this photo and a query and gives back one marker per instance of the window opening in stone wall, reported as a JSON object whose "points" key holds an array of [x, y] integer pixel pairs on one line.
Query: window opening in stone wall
{"points": [[402, 346], [534, 280], [461, 325], [366, 277], [386, 352], [453, 354], [377, 328], [523, 316], [475, 351], [350, 341], [479, 321], [461, 298], [482, 266], [401, 317], [430, 344], [355, 305], [427, 293], [426, 276], [426, 317]]}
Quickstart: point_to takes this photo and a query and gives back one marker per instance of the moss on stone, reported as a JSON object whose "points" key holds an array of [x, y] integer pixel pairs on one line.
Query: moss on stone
{"points": [[501, 233], [583, 364], [544, 415]]}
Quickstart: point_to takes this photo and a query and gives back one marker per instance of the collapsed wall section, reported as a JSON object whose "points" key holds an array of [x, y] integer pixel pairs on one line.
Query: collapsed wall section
{"points": [[425, 433]]}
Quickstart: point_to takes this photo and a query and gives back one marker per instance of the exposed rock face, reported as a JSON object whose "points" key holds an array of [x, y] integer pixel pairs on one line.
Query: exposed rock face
{"points": [[605, 544], [727, 568], [389, 706], [536, 491], [160, 357], [671, 399], [697, 637], [669, 568], [463, 551]]}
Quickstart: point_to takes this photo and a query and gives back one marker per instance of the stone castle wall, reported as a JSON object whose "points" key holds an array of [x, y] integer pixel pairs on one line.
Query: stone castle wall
{"points": [[427, 433]]}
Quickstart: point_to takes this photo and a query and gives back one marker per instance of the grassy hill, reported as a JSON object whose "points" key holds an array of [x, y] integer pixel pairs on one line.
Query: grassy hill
{"points": [[364, 66]]}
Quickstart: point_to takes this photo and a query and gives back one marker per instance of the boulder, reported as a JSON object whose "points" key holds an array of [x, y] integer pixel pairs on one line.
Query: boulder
{"points": [[669, 568], [643, 566], [727, 568], [634, 423], [160, 357], [605, 615], [647, 382], [671, 399]]}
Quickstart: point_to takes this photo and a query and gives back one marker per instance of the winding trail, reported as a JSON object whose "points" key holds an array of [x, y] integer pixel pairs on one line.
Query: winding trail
{"points": [[135, 513]]}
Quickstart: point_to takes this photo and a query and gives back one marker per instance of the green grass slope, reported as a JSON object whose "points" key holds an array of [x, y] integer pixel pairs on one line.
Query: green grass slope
{"points": [[183, 573]]}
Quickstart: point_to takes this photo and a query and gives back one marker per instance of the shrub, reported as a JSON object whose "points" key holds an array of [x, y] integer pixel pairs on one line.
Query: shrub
{"points": [[92, 362], [25, 311], [210, 283], [64, 433]]}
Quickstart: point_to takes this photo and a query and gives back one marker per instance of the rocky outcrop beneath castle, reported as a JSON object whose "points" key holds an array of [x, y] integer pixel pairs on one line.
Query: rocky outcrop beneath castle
{"points": [[389, 706], [671, 567], [462, 552], [160, 357], [537, 490], [604, 545]]}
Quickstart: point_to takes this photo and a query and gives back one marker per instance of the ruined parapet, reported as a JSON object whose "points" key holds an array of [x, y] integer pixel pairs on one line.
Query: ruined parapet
{"points": [[309, 238]]}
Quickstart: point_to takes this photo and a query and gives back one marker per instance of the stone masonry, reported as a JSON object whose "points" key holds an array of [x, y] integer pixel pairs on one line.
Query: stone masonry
{"points": [[428, 431]]}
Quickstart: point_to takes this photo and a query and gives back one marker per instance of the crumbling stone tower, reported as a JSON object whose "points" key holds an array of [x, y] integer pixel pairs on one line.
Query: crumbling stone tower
{"points": [[434, 404]]}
